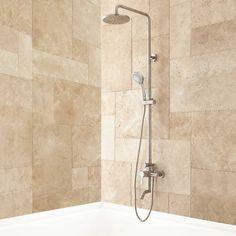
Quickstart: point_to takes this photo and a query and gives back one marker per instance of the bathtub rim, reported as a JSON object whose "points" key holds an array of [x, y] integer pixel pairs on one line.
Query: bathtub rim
{"points": [[115, 208]]}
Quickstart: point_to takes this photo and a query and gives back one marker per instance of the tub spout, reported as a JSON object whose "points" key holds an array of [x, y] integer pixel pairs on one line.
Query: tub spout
{"points": [[144, 193]]}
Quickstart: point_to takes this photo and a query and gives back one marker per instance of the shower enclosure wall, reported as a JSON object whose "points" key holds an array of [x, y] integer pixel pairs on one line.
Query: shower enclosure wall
{"points": [[50, 105], [50, 90]]}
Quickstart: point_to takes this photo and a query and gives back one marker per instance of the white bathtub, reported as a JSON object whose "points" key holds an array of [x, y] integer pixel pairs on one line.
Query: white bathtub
{"points": [[105, 219]]}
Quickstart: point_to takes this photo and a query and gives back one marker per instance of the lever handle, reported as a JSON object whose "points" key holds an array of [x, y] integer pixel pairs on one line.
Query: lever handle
{"points": [[141, 175]]}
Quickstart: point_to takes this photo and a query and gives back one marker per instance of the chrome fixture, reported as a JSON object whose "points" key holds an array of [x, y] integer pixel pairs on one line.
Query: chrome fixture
{"points": [[150, 170], [138, 77]]}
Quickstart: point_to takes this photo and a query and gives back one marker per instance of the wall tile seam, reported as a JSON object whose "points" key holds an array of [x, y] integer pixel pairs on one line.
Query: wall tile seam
{"points": [[18, 191], [154, 139], [213, 24], [53, 55], [214, 170], [205, 111], [53, 193], [20, 78], [54, 79], [114, 141], [16, 30], [203, 54], [177, 4]]}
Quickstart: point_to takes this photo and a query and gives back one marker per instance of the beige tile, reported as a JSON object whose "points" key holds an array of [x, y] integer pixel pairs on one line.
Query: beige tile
{"points": [[128, 114], [129, 110], [180, 126], [160, 16], [108, 103], [116, 177], [80, 178], [159, 13], [52, 159], [15, 179], [9, 39], [72, 104], [127, 150], [160, 69], [213, 195], [180, 30], [86, 145], [142, 5], [179, 204], [6, 206], [15, 145], [205, 12], [7, 182], [15, 92], [25, 56], [176, 2], [94, 68], [116, 57], [60, 200], [17, 14], [80, 51], [203, 83], [64, 112], [213, 38], [201, 12], [173, 157], [223, 10], [108, 7], [49, 33], [22, 178], [8, 63], [108, 137], [214, 141], [16, 100], [86, 21], [22, 202], [94, 184], [160, 201], [58, 67], [43, 100]]}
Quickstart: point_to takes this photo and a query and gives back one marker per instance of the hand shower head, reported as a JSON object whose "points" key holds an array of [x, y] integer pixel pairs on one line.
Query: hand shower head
{"points": [[138, 78]]}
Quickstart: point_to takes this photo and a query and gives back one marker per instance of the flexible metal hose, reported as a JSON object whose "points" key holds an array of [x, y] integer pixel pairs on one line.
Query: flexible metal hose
{"points": [[136, 171]]}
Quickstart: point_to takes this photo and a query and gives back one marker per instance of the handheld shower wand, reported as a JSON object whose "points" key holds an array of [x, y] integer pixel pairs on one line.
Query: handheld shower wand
{"points": [[138, 78]]}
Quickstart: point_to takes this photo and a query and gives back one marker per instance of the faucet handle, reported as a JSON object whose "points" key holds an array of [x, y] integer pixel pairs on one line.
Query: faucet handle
{"points": [[141, 175]]}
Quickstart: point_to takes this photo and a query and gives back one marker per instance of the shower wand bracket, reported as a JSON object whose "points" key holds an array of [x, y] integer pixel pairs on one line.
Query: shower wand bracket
{"points": [[149, 102], [154, 57]]}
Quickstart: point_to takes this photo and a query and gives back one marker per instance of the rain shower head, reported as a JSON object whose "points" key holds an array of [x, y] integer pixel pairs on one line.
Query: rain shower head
{"points": [[116, 19], [138, 78]]}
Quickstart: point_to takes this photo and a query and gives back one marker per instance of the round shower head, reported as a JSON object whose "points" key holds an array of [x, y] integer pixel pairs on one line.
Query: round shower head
{"points": [[138, 77], [116, 19]]}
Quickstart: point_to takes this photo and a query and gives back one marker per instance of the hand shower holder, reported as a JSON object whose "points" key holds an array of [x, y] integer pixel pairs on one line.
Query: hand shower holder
{"points": [[149, 102]]}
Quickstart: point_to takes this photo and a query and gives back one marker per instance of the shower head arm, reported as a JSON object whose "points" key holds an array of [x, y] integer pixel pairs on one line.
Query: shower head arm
{"points": [[130, 9]]}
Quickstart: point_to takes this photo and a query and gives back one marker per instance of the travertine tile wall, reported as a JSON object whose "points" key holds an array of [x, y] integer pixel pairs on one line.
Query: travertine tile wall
{"points": [[50, 104], [194, 135]]}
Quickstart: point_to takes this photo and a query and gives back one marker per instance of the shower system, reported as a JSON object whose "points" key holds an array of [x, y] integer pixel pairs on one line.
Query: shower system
{"points": [[150, 172]]}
